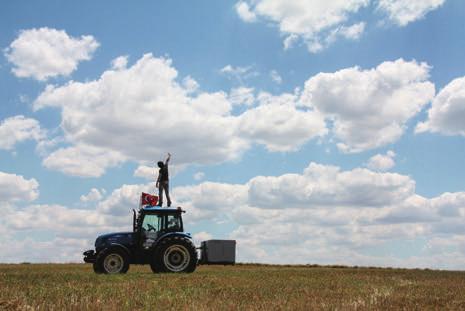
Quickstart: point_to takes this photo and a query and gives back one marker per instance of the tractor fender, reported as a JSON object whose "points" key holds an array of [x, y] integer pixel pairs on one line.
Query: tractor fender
{"points": [[113, 246], [170, 235], [173, 234]]}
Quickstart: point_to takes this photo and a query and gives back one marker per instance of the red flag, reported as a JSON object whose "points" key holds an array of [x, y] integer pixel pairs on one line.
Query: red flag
{"points": [[148, 199]]}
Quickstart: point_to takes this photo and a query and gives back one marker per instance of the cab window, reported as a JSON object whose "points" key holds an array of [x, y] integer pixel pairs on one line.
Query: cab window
{"points": [[152, 223], [173, 223]]}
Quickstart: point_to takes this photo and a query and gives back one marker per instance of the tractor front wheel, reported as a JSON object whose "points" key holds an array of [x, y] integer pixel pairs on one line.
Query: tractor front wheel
{"points": [[174, 254], [112, 261]]}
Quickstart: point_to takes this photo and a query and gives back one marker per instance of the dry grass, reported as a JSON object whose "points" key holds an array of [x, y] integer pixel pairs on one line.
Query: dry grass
{"points": [[241, 287]]}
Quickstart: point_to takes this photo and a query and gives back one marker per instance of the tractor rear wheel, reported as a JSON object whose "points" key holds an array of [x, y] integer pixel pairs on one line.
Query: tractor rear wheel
{"points": [[112, 261], [174, 255]]}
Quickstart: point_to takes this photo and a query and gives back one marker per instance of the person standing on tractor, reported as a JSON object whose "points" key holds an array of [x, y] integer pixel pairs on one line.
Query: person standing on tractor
{"points": [[163, 181]]}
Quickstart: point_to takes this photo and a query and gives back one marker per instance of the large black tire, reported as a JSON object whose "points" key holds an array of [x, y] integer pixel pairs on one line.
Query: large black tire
{"points": [[112, 261], [174, 255], [97, 268]]}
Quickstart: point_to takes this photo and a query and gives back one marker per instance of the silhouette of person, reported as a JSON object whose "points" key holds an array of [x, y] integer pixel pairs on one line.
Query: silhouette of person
{"points": [[163, 181]]}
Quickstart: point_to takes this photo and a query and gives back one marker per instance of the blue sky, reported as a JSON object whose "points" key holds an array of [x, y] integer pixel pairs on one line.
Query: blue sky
{"points": [[246, 95]]}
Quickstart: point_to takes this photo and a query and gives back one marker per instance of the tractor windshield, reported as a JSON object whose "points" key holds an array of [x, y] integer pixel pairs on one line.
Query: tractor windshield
{"points": [[152, 222], [166, 222]]}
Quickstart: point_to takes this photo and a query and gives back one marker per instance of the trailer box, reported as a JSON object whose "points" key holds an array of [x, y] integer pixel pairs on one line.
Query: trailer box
{"points": [[221, 252]]}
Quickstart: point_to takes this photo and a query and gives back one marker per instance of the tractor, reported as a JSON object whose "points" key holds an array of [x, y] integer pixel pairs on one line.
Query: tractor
{"points": [[157, 239]]}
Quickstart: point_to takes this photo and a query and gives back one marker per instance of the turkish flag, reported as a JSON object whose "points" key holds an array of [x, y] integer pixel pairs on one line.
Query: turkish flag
{"points": [[148, 199]]}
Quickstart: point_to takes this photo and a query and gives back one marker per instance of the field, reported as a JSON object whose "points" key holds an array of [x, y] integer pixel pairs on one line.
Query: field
{"points": [[240, 287]]}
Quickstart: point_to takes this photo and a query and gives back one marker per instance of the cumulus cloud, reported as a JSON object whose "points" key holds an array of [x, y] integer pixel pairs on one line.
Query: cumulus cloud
{"points": [[46, 52], [323, 215], [319, 23], [382, 162], [17, 129], [280, 126], [15, 188], [370, 108], [338, 215], [311, 22], [140, 112], [243, 10], [122, 200], [93, 195], [403, 12], [447, 113], [149, 115], [190, 84], [201, 236], [120, 62], [146, 172], [83, 160], [151, 172], [238, 74], [209, 200], [322, 185], [242, 96]]}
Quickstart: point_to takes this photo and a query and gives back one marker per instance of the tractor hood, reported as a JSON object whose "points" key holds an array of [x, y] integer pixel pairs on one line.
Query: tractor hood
{"points": [[123, 238]]}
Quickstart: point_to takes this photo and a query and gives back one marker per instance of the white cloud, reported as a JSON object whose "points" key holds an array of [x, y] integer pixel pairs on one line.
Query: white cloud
{"points": [[199, 176], [45, 52], [82, 160], [15, 188], [201, 236], [322, 185], [382, 162], [120, 62], [310, 22], [122, 200], [370, 108], [243, 10], [146, 172], [190, 84], [403, 12], [242, 96], [17, 129], [319, 23], [353, 32], [209, 200], [58, 250], [137, 113], [275, 77], [447, 113], [239, 74], [93, 195], [290, 41], [280, 126], [153, 114], [339, 217]]}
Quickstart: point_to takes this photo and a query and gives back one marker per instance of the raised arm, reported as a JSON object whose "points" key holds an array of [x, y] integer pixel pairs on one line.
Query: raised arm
{"points": [[158, 181], [168, 158]]}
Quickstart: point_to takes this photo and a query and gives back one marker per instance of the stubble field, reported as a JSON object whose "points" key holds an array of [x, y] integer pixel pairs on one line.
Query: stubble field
{"points": [[240, 287]]}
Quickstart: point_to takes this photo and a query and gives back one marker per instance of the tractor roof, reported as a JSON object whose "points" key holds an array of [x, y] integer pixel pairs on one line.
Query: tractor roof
{"points": [[158, 209]]}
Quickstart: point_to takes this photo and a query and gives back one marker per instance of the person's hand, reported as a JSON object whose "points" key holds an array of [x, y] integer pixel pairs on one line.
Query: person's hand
{"points": [[169, 155]]}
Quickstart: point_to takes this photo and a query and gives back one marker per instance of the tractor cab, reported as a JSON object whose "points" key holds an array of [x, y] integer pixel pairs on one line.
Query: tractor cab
{"points": [[151, 223]]}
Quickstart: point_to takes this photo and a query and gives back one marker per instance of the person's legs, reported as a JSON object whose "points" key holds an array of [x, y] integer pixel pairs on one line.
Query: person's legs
{"points": [[167, 193], [160, 194]]}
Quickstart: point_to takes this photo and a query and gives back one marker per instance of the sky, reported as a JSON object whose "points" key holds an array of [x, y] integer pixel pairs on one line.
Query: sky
{"points": [[320, 132]]}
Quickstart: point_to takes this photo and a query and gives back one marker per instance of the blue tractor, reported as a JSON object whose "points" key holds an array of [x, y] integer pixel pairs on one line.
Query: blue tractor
{"points": [[158, 239]]}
